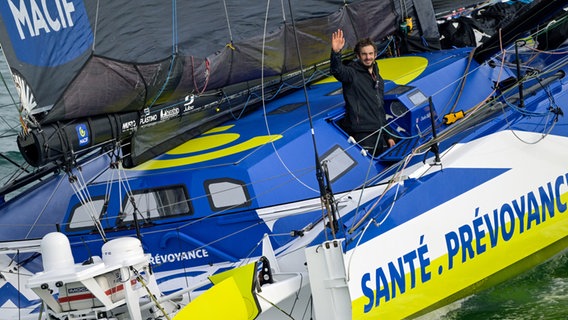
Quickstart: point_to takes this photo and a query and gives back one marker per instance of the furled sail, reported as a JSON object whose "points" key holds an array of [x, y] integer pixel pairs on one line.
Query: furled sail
{"points": [[90, 71]]}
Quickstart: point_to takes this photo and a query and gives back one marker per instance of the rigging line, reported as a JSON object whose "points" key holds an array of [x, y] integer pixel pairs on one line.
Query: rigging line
{"points": [[371, 165], [7, 105], [553, 24], [463, 81], [283, 11], [247, 259], [207, 75], [396, 177], [274, 305], [403, 8], [43, 210], [472, 112], [543, 134], [298, 293], [319, 171], [297, 298], [317, 73], [219, 212], [205, 217], [152, 296], [89, 203], [228, 235], [174, 28], [83, 194], [348, 271], [356, 225], [174, 54], [164, 85], [450, 84], [96, 26], [228, 23], [264, 103], [47, 201], [555, 51], [124, 182], [546, 131], [14, 103], [108, 189], [9, 126], [12, 162], [556, 65], [88, 208]]}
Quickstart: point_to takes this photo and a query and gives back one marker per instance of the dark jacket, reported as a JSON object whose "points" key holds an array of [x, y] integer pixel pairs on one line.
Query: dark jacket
{"points": [[364, 104]]}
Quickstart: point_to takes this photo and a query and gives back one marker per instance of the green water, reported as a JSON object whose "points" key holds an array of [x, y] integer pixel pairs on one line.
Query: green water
{"points": [[541, 293]]}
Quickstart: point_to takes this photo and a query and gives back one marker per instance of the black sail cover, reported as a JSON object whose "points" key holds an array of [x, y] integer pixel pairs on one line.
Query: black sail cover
{"points": [[101, 70]]}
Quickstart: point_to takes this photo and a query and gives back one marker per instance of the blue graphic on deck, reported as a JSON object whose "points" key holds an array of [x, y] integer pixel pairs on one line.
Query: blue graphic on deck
{"points": [[9, 293], [47, 33]]}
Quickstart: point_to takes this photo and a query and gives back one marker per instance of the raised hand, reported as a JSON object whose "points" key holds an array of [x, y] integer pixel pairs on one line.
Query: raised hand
{"points": [[337, 40]]}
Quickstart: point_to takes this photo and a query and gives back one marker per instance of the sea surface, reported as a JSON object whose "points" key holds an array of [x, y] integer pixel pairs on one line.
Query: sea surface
{"points": [[541, 293]]}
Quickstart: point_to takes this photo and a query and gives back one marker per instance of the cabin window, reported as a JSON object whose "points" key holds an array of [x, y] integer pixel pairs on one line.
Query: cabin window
{"points": [[81, 216], [227, 194], [338, 162], [152, 204]]}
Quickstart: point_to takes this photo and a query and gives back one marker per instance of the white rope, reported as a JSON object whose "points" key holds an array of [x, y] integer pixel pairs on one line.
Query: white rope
{"points": [[228, 23]]}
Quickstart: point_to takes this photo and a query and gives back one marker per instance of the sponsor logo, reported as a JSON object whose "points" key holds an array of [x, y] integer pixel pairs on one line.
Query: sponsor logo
{"points": [[129, 125], [487, 230], [148, 119], [47, 33], [166, 114], [188, 105], [82, 134], [158, 259], [77, 290]]}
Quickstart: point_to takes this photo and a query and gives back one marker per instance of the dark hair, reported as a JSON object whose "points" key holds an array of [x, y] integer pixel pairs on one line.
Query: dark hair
{"points": [[363, 43]]}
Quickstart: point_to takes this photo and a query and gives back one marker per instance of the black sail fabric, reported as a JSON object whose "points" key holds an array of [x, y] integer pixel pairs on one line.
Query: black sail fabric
{"points": [[153, 61], [81, 59]]}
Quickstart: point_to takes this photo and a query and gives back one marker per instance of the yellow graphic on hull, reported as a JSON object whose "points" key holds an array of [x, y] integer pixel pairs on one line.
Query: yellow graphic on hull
{"points": [[400, 70], [204, 143], [200, 144]]}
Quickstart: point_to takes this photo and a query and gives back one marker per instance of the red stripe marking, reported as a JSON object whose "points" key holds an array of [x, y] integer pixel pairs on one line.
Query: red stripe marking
{"points": [[89, 295]]}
